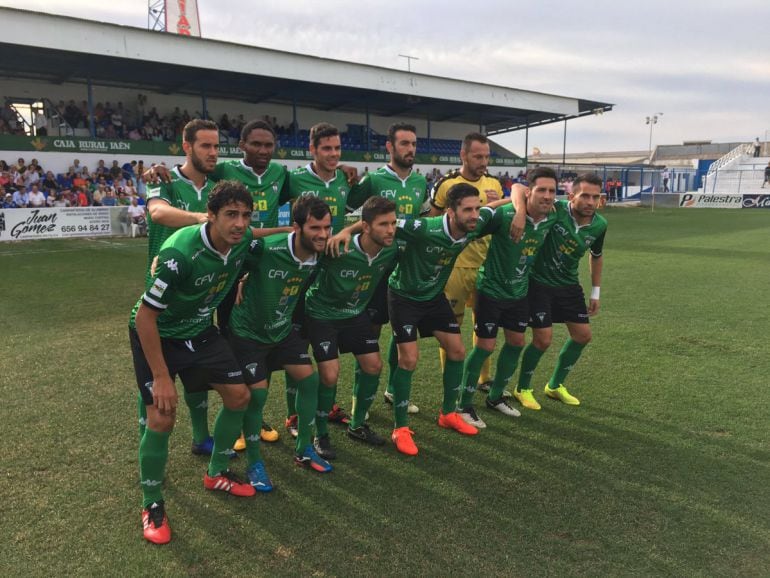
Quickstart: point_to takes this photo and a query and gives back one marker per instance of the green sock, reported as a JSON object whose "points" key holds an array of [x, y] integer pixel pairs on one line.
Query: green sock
{"points": [[529, 360], [153, 455], [568, 357], [227, 428], [325, 403], [307, 402], [506, 367], [198, 403], [366, 390], [402, 388], [453, 380], [471, 374], [392, 364], [252, 423], [291, 395], [141, 410]]}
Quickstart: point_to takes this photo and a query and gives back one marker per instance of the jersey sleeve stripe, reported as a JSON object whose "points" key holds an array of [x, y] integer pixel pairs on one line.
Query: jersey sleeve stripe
{"points": [[151, 303]]}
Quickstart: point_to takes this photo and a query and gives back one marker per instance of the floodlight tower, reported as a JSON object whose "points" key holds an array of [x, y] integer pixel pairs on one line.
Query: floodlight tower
{"points": [[156, 15], [652, 121]]}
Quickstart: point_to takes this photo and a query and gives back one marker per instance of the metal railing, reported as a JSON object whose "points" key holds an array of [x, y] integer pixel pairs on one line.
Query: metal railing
{"points": [[735, 180], [741, 149]]}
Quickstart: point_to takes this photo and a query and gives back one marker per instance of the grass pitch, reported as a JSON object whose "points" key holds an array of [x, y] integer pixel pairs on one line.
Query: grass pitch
{"points": [[664, 469]]}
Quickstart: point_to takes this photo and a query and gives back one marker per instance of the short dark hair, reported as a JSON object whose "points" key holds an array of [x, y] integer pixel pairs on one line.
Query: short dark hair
{"points": [[376, 206], [308, 206], [322, 130], [255, 125], [228, 192], [190, 130], [395, 127], [458, 192], [541, 173], [473, 137], [590, 178]]}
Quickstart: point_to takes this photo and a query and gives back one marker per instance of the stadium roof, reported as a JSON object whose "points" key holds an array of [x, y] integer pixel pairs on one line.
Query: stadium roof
{"points": [[76, 50]]}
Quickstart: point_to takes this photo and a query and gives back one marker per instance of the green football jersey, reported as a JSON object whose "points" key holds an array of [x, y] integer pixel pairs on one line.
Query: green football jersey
{"points": [[345, 284], [303, 181], [557, 264], [505, 272], [180, 193], [276, 280], [269, 190], [190, 281], [426, 263], [408, 194]]}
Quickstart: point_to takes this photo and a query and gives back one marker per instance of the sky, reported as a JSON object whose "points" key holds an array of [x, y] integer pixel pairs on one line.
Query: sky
{"points": [[704, 64]]}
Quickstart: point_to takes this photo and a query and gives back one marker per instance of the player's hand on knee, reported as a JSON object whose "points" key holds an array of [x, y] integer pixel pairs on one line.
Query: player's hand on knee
{"points": [[164, 395]]}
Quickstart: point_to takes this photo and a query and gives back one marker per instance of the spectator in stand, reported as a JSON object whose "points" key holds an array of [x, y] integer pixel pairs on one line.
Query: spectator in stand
{"points": [[130, 188], [98, 195], [101, 169], [109, 199], [116, 173], [75, 166], [8, 202], [128, 170], [21, 198], [666, 176], [116, 120], [64, 181], [757, 147], [767, 175], [60, 201], [35, 199], [49, 182], [136, 212], [81, 198]]}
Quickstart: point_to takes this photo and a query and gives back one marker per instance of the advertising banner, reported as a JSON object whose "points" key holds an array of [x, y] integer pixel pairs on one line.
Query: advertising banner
{"points": [[182, 17], [55, 223], [756, 201], [714, 201]]}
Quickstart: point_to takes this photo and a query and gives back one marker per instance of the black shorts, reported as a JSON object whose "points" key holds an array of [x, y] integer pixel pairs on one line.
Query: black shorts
{"points": [[355, 335], [199, 362], [378, 304], [408, 316], [259, 360], [549, 305], [493, 313]]}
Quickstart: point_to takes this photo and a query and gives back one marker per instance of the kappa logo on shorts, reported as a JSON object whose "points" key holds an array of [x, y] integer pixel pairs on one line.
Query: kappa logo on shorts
{"points": [[540, 316], [372, 341], [234, 373], [408, 329], [490, 326], [252, 368], [189, 344], [172, 265], [325, 346]]}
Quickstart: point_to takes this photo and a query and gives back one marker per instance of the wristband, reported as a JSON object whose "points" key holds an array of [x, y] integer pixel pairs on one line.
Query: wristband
{"points": [[595, 293]]}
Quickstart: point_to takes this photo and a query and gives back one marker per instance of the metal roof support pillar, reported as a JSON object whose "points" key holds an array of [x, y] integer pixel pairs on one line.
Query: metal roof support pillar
{"points": [[564, 146], [368, 130], [204, 104], [294, 123], [91, 125], [526, 145], [430, 146]]}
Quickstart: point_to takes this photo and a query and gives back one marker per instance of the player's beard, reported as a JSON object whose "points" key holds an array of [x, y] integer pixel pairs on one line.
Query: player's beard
{"points": [[402, 162], [307, 244], [200, 166]]}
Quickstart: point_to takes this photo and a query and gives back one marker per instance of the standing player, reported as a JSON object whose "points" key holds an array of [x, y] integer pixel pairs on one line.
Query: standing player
{"points": [[418, 305], [398, 182], [461, 287], [171, 331], [555, 294], [501, 298], [264, 338], [177, 202], [322, 178], [337, 321]]}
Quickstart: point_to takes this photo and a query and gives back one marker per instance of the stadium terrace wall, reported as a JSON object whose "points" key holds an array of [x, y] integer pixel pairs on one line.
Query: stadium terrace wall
{"points": [[58, 152]]}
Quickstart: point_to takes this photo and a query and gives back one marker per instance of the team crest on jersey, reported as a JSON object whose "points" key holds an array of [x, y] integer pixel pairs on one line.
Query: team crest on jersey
{"points": [[252, 368], [275, 188], [172, 265], [589, 239], [325, 346]]}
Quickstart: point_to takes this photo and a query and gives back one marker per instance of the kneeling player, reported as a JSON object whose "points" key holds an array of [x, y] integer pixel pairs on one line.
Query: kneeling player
{"points": [[337, 319], [171, 331], [264, 338]]}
